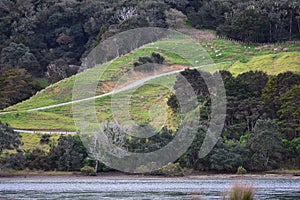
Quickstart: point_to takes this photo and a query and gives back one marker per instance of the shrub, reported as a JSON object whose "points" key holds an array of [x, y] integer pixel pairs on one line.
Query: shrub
{"points": [[241, 192], [157, 58], [12, 161], [37, 159], [88, 171], [45, 139], [241, 170], [171, 169], [147, 64], [244, 60]]}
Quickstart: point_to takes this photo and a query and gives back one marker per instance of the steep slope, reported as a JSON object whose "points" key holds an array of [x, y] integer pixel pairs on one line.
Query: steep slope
{"points": [[142, 100], [271, 64]]}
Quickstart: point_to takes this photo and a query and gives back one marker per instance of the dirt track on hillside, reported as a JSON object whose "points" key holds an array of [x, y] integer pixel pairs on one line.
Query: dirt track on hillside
{"points": [[198, 34]]}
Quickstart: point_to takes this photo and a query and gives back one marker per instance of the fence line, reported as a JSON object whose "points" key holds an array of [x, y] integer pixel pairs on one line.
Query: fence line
{"points": [[46, 132]]}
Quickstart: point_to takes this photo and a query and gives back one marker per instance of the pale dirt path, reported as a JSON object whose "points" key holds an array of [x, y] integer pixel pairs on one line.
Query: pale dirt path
{"points": [[199, 34], [60, 132]]}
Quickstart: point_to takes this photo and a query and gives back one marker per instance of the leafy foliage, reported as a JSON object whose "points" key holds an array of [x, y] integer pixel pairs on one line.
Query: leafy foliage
{"points": [[18, 56], [148, 64], [241, 170], [37, 159], [277, 86], [248, 26], [175, 18], [88, 171], [171, 169], [265, 141], [16, 85], [249, 21], [144, 145], [8, 138], [68, 155], [228, 158], [289, 113]]}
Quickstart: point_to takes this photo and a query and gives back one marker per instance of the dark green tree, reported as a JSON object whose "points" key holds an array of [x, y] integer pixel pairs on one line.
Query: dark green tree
{"points": [[289, 113], [8, 138], [173, 103], [286, 81], [195, 79], [149, 64], [236, 89], [145, 145], [191, 158], [247, 25], [68, 155], [256, 81], [248, 111], [270, 97], [37, 159], [175, 19], [293, 151], [265, 141], [227, 158], [17, 56], [15, 161], [16, 85], [277, 86], [211, 14], [154, 10]]}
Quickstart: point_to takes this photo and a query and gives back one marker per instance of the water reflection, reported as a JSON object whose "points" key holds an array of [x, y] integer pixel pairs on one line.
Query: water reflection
{"points": [[91, 189]]}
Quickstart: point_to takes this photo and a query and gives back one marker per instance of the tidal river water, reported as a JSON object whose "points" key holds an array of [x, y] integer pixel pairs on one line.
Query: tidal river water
{"points": [[170, 188]]}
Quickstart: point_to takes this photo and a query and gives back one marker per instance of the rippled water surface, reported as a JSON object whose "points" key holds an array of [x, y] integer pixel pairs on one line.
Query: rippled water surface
{"points": [[143, 189]]}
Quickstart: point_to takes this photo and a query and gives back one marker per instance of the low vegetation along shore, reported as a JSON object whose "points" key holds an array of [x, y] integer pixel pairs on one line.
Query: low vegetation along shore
{"points": [[10, 175]]}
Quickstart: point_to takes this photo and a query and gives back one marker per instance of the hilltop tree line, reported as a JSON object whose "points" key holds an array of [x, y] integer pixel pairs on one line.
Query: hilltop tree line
{"points": [[256, 21], [47, 39], [261, 132]]}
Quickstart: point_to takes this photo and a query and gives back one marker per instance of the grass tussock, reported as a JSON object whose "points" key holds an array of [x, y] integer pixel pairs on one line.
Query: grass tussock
{"points": [[241, 191]]}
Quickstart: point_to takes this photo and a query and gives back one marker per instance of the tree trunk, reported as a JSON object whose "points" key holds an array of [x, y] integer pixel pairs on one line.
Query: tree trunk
{"points": [[270, 31], [266, 161], [291, 25], [248, 124], [299, 24], [96, 167], [276, 31]]}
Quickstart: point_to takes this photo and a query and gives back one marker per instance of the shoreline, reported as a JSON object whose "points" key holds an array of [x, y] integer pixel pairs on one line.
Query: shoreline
{"points": [[123, 176]]}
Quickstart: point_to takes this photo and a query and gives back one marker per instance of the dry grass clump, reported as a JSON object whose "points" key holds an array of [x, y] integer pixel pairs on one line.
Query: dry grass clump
{"points": [[241, 191]]}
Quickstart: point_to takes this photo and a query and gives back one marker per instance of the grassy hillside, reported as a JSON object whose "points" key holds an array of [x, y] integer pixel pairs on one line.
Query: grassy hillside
{"points": [[271, 63], [39, 120], [33, 141], [244, 58], [60, 118], [62, 91], [219, 51]]}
